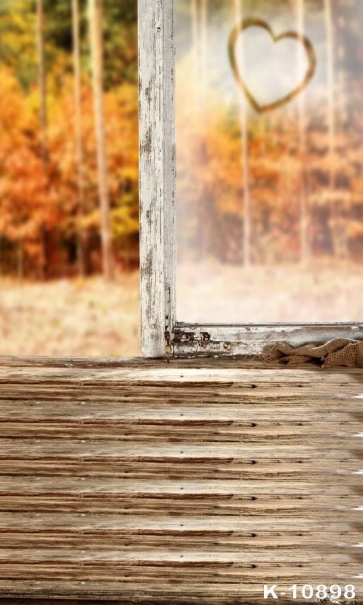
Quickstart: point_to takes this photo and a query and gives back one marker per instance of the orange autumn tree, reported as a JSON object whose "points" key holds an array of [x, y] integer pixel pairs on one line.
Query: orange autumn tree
{"points": [[287, 209], [294, 194], [40, 218], [121, 117], [33, 200], [24, 204]]}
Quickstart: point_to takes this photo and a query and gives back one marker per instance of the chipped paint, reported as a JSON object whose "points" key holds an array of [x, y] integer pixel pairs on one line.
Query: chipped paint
{"points": [[194, 340], [156, 135], [161, 334]]}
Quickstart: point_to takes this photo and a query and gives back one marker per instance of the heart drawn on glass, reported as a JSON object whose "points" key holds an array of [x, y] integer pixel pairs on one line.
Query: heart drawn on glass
{"points": [[299, 38]]}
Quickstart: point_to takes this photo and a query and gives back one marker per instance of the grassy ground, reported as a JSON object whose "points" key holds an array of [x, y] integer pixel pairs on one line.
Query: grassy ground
{"points": [[70, 317], [73, 317], [319, 291]]}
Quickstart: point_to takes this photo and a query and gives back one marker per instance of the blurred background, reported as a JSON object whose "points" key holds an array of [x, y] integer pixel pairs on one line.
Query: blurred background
{"points": [[69, 177], [269, 204]]}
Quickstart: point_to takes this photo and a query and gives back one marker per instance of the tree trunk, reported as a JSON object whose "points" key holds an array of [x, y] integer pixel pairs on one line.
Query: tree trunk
{"points": [[78, 134], [95, 22], [204, 44], [331, 120], [43, 113], [204, 207], [42, 82], [20, 259], [304, 212], [195, 33], [238, 16]]}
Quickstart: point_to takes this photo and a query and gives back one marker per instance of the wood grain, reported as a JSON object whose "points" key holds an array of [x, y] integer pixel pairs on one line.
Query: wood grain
{"points": [[157, 170], [177, 482], [162, 334]]}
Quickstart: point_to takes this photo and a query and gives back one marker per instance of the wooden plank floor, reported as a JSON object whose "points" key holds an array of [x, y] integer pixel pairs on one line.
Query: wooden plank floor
{"points": [[178, 482]]}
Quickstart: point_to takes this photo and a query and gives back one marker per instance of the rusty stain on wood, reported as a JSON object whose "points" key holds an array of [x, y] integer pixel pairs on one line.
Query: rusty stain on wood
{"points": [[189, 340], [157, 219], [180, 481]]}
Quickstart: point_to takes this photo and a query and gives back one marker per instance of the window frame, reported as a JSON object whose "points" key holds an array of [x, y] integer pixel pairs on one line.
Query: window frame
{"points": [[161, 334]]}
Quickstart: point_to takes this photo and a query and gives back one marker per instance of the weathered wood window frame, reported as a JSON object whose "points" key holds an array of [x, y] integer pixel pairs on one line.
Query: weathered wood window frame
{"points": [[161, 333]]}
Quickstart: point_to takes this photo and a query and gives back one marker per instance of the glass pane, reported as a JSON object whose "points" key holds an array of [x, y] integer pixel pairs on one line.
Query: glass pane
{"points": [[269, 124]]}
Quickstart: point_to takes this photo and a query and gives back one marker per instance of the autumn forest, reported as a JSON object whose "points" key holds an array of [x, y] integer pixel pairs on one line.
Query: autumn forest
{"points": [[269, 126], [269, 187], [68, 142]]}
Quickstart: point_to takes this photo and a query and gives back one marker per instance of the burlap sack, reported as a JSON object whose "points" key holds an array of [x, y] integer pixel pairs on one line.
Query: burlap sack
{"points": [[335, 353]]}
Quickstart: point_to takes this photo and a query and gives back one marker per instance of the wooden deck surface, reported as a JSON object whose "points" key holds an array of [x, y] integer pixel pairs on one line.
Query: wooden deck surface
{"points": [[194, 481]]}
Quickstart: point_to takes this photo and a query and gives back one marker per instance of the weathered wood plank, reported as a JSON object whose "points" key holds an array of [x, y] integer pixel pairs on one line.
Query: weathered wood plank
{"points": [[109, 362], [157, 159], [174, 487], [192, 595], [214, 479], [76, 412], [89, 448], [145, 524], [229, 434], [347, 507], [105, 540], [150, 471], [239, 378]]}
